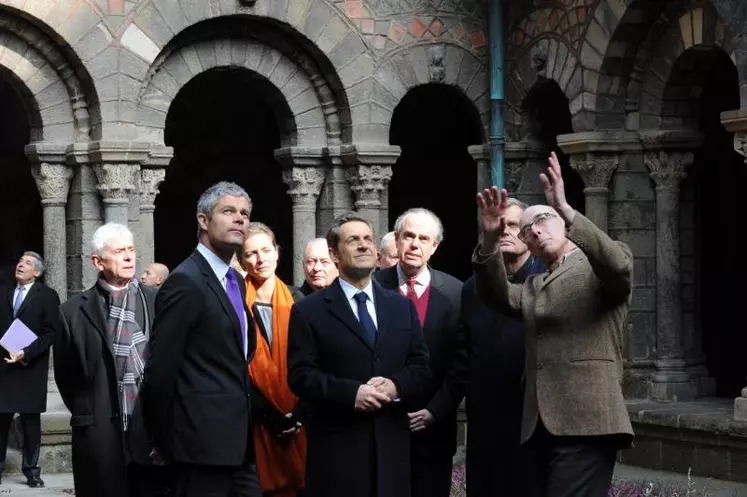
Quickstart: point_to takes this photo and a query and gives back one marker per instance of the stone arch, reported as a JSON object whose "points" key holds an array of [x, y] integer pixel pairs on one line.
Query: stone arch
{"points": [[52, 75], [663, 91], [548, 58], [308, 126], [318, 37], [405, 69]]}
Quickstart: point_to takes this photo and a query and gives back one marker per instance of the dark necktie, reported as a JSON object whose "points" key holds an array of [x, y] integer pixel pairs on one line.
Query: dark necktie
{"points": [[364, 317], [234, 295]]}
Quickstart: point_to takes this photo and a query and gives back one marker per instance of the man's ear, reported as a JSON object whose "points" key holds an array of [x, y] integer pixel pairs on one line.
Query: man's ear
{"points": [[333, 255]]}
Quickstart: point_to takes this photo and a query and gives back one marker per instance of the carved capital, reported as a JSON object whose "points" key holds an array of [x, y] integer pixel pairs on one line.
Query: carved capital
{"points": [[304, 184], [368, 182], [53, 182], [116, 181], [740, 144], [150, 181], [595, 168], [512, 170], [668, 167]]}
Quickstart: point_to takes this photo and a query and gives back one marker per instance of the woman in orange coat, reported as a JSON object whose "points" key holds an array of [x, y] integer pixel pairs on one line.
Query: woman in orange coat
{"points": [[279, 437]]}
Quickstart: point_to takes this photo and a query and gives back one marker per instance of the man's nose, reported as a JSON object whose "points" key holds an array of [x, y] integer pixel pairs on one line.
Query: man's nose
{"points": [[318, 266]]}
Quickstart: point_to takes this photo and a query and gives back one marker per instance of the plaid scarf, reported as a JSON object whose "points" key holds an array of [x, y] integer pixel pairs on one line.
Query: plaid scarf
{"points": [[128, 343]]}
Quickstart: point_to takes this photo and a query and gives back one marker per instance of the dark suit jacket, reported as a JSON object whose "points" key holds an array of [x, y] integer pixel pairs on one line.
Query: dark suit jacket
{"points": [[575, 318], [86, 376], [23, 385], [329, 358], [196, 393], [448, 354]]}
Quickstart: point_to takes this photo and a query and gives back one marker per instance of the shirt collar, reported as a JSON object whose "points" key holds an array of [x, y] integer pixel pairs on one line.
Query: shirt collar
{"points": [[26, 287], [219, 267], [350, 291], [423, 279]]}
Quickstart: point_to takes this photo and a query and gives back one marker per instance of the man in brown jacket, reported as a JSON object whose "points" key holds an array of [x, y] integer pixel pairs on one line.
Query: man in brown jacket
{"points": [[575, 315]]}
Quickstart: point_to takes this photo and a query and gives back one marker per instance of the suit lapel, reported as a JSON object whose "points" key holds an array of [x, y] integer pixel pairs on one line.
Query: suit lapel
{"points": [[94, 312], [382, 316], [570, 261], [340, 308], [388, 278], [33, 293], [220, 293]]}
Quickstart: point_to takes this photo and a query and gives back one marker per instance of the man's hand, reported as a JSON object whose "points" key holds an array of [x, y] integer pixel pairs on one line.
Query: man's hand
{"points": [[555, 190], [14, 358], [369, 399], [420, 420], [385, 386], [493, 205], [290, 432]]}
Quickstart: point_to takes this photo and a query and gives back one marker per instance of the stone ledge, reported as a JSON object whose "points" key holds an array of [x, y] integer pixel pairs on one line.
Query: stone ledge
{"points": [[714, 416]]}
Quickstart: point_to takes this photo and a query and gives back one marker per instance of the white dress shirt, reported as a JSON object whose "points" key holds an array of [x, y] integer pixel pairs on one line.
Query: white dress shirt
{"points": [[350, 292], [421, 281], [220, 269], [26, 289]]}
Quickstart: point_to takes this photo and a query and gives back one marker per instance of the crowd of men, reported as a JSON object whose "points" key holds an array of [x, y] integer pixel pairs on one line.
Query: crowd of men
{"points": [[381, 350]]}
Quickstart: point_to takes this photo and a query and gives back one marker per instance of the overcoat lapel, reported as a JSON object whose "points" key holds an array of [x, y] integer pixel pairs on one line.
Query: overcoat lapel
{"points": [[340, 309]]}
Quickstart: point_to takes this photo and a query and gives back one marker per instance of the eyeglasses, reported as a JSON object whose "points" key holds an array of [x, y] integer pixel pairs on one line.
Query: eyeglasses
{"points": [[540, 220]]}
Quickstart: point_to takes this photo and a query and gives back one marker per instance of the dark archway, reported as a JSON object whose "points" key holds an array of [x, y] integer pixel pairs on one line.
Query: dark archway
{"points": [[21, 225], [434, 124], [224, 126], [703, 83], [547, 114]]}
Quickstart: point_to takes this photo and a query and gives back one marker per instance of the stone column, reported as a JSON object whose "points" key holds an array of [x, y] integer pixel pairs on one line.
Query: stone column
{"points": [[523, 163], [735, 121], [481, 154], [367, 182], [150, 181], [670, 381], [304, 185]]}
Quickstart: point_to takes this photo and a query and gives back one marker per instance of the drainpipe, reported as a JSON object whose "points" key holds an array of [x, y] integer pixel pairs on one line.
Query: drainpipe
{"points": [[496, 139]]}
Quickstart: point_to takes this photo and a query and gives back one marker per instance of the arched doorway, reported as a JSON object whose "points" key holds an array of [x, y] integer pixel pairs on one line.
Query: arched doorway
{"points": [[434, 124], [224, 124], [21, 225], [702, 84], [547, 114]]}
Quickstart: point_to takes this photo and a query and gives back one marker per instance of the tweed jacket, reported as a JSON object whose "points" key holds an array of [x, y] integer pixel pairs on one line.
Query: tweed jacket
{"points": [[575, 319]]}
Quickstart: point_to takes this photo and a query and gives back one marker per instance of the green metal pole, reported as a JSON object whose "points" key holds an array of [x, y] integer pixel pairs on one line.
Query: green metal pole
{"points": [[496, 139]]}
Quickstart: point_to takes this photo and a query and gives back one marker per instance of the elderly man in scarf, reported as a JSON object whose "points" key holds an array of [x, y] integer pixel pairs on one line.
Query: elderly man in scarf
{"points": [[99, 359]]}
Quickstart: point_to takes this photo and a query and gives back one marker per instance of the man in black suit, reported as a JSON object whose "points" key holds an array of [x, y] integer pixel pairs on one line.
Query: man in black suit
{"points": [[318, 269], [495, 394], [196, 394], [98, 362], [23, 376], [436, 296], [356, 355]]}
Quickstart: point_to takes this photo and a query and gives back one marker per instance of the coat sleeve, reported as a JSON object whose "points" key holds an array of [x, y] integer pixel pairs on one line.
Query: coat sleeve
{"points": [[611, 261], [453, 387], [50, 324], [306, 379], [67, 368], [492, 285], [414, 376], [178, 307]]}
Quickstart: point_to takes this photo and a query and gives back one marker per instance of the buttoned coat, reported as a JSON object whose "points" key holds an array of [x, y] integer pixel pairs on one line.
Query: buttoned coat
{"points": [[575, 319]]}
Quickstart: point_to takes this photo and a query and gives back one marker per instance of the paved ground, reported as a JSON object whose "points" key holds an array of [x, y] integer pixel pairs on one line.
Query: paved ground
{"points": [[56, 485]]}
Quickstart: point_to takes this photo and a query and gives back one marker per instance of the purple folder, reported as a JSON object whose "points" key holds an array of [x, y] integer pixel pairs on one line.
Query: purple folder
{"points": [[17, 338]]}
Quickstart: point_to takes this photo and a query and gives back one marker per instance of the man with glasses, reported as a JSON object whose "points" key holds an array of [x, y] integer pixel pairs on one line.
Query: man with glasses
{"points": [[574, 419]]}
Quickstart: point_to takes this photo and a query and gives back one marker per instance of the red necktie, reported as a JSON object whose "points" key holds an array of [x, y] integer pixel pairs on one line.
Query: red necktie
{"points": [[411, 290]]}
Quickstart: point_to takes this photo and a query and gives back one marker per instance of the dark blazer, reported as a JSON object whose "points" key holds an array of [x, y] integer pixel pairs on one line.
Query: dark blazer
{"points": [[448, 354], [85, 374], [23, 385], [196, 393], [329, 358]]}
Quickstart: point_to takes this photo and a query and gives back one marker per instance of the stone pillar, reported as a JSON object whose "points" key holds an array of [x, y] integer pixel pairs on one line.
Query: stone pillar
{"points": [[481, 154], [117, 168], [304, 186], [523, 163], [735, 121], [670, 381], [596, 156], [52, 178], [150, 181]]}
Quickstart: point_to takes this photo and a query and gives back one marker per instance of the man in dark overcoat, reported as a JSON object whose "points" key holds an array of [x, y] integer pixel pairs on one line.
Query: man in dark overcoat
{"points": [[23, 376], [356, 354], [99, 359]]}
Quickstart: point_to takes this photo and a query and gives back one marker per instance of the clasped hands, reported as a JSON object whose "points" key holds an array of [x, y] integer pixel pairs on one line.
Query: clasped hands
{"points": [[377, 392]]}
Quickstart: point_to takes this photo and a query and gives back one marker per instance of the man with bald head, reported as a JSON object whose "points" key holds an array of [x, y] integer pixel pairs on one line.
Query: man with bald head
{"points": [[318, 269], [576, 314], [154, 275]]}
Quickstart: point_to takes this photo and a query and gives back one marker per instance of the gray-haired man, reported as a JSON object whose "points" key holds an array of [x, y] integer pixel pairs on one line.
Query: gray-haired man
{"points": [[23, 374]]}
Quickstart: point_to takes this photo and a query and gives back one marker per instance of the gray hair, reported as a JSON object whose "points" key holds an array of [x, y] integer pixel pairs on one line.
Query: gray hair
{"points": [[38, 261], [386, 239], [333, 235], [108, 233], [210, 198], [516, 202], [399, 223]]}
